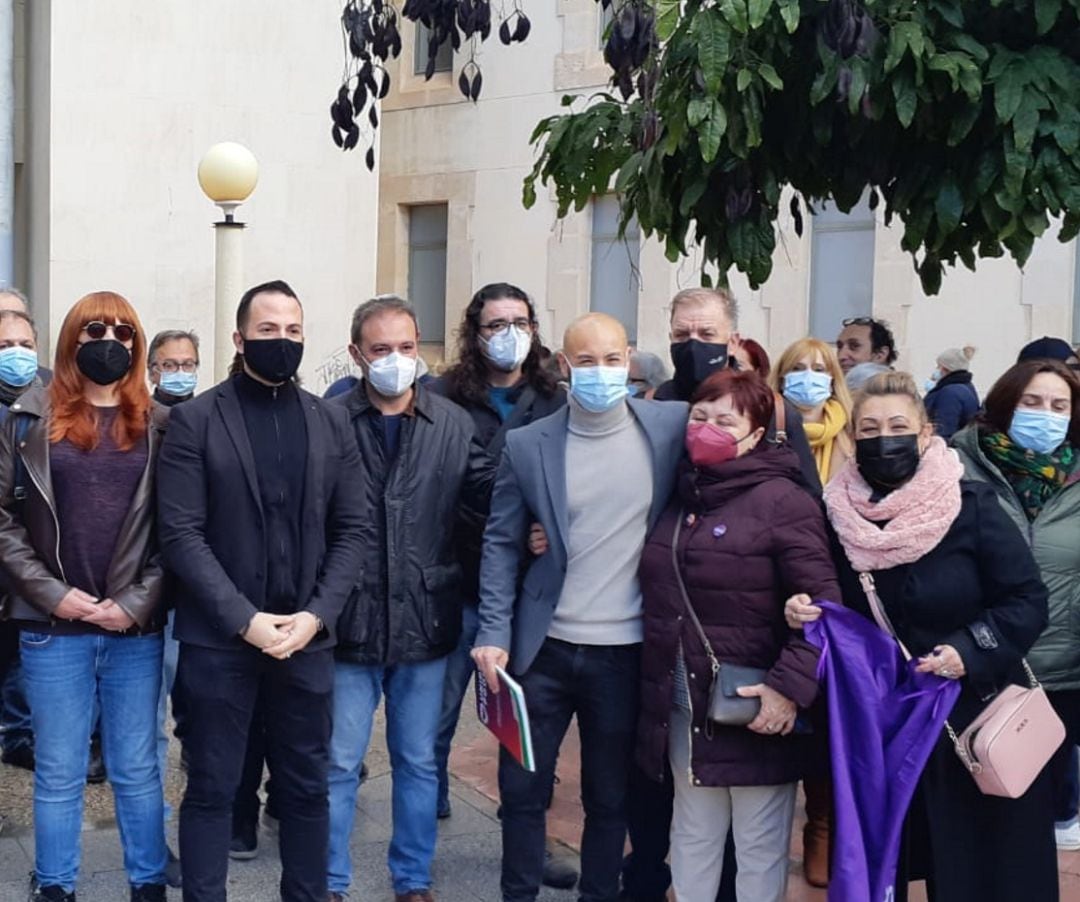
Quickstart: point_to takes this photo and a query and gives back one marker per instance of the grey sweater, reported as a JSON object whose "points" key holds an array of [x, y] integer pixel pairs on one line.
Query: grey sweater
{"points": [[609, 487]]}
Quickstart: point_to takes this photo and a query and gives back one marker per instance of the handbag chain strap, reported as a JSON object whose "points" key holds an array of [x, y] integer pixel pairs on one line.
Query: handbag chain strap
{"points": [[866, 580], [713, 662]]}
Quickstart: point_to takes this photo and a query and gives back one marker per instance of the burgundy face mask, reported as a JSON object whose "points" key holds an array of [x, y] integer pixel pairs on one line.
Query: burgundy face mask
{"points": [[709, 445]]}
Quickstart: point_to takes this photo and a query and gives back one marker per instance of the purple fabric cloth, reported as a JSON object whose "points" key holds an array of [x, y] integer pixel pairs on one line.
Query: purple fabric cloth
{"points": [[884, 720]]}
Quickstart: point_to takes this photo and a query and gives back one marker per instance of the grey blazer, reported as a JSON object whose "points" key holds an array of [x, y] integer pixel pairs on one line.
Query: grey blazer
{"points": [[530, 487]]}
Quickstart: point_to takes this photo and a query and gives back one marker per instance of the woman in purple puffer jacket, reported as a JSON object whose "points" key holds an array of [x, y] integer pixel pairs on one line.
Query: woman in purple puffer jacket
{"points": [[749, 537]]}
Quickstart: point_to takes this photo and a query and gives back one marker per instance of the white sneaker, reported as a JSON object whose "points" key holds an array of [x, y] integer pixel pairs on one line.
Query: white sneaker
{"points": [[1068, 837]]}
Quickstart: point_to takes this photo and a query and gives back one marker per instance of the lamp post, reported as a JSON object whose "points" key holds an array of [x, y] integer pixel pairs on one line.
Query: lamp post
{"points": [[228, 173]]}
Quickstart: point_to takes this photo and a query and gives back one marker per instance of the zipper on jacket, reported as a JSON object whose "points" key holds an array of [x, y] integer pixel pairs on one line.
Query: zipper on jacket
{"points": [[52, 510]]}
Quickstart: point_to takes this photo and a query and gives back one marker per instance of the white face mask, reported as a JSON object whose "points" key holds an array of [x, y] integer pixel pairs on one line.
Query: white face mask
{"points": [[507, 350], [391, 376]]}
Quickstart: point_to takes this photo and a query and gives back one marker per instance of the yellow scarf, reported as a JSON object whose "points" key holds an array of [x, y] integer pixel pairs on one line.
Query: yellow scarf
{"points": [[822, 436]]}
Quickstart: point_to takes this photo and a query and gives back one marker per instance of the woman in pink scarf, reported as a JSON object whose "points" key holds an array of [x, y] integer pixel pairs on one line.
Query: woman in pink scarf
{"points": [[960, 586]]}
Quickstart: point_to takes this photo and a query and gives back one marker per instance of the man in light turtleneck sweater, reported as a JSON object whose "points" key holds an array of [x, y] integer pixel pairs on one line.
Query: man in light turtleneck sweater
{"points": [[595, 475]]}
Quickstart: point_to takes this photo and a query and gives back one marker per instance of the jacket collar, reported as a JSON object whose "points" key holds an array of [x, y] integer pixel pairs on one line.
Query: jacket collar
{"points": [[34, 401], [358, 403]]}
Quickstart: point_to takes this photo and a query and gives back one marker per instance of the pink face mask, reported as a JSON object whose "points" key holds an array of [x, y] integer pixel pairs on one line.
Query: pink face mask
{"points": [[709, 445]]}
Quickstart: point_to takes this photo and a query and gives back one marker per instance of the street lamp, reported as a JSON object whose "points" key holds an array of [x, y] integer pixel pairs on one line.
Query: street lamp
{"points": [[228, 173]]}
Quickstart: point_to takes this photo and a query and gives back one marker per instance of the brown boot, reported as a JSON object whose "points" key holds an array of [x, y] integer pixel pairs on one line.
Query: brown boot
{"points": [[816, 832]]}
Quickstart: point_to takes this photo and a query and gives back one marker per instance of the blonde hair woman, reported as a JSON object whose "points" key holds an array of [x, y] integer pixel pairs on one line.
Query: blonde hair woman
{"points": [[808, 374]]}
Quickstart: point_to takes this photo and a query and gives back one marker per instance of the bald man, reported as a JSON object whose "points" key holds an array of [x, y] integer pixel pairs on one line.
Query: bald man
{"points": [[596, 475]]}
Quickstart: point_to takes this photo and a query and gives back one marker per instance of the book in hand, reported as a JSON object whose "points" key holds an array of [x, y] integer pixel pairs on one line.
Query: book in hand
{"points": [[504, 713]]}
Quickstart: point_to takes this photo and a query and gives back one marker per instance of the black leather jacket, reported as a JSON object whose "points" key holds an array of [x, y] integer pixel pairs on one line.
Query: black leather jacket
{"points": [[30, 543], [407, 606]]}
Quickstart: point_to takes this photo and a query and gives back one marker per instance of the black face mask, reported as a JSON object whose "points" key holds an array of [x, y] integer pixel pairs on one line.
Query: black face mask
{"points": [[274, 359], [887, 461], [694, 362], [104, 361]]}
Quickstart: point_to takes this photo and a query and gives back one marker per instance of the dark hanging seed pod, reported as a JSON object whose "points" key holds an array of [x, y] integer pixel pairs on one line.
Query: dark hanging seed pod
{"points": [[373, 117], [336, 134], [477, 84], [429, 69], [797, 219], [369, 81], [384, 85], [352, 138], [524, 26], [395, 44], [504, 32], [463, 84], [359, 97], [875, 199], [369, 158], [455, 40]]}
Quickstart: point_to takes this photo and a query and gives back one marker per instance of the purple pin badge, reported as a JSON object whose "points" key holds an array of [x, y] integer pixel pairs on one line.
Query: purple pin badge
{"points": [[719, 531]]}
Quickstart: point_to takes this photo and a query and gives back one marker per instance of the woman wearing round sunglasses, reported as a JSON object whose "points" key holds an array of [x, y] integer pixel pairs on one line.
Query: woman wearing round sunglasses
{"points": [[76, 545]]}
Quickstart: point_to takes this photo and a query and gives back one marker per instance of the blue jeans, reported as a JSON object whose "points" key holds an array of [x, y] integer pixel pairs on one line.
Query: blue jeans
{"points": [[64, 676], [599, 684], [459, 671], [169, 658], [413, 701]]}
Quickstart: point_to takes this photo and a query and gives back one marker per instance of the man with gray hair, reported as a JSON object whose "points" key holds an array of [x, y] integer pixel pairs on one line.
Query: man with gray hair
{"points": [[647, 373], [427, 475], [173, 363]]}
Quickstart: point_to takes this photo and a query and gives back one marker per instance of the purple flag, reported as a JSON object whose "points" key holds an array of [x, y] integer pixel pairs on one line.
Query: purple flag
{"points": [[884, 720]]}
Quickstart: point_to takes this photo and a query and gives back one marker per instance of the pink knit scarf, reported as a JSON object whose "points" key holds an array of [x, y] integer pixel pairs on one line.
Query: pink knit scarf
{"points": [[918, 513]]}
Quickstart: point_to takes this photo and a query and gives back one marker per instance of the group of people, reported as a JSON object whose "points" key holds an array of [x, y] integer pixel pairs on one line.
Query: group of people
{"points": [[680, 564]]}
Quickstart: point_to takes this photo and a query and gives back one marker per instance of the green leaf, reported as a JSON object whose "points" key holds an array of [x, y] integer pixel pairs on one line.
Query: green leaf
{"points": [[897, 48], [857, 88], [713, 48], [1067, 135], [962, 123], [758, 11], [667, 18], [1024, 123], [930, 273], [711, 131], [692, 195], [949, 204], [1046, 13], [789, 12], [697, 110], [770, 76], [528, 192], [629, 170], [1009, 92], [906, 98], [742, 80], [736, 14]]}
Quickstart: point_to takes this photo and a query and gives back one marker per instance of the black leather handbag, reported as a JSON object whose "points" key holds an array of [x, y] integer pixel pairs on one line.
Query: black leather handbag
{"points": [[726, 706]]}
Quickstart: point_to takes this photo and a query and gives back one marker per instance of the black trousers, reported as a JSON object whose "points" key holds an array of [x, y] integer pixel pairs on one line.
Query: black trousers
{"points": [[600, 685], [9, 648], [222, 692]]}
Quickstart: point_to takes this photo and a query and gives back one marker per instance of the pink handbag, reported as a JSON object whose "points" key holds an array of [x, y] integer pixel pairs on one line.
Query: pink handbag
{"points": [[1007, 746]]}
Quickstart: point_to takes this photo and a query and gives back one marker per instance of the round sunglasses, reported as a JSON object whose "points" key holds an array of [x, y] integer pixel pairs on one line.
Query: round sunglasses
{"points": [[97, 330]]}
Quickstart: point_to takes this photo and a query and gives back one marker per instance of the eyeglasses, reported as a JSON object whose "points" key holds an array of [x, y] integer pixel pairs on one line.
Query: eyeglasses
{"points": [[172, 366], [97, 330], [497, 326]]}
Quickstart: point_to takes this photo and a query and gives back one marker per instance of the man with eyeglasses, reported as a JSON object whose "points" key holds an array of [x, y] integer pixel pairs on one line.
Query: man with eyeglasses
{"points": [[864, 339], [501, 380], [173, 362]]}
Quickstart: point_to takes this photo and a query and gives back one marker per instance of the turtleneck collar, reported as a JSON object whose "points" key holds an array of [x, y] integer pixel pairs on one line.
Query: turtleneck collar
{"points": [[259, 392], [9, 394], [163, 397], [585, 422]]}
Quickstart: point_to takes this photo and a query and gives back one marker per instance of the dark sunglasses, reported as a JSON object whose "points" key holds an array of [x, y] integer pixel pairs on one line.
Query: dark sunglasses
{"points": [[857, 321], [98, 330]]}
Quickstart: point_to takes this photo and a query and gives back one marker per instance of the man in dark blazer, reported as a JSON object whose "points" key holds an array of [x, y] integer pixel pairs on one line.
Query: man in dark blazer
{"points": [[262, 517], [595, 475]]}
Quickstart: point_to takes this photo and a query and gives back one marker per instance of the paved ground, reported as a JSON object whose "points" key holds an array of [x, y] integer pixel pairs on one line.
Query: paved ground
{"points": [[467, 861]]}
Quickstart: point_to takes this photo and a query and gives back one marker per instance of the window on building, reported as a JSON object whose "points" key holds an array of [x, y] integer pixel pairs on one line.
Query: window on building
{"points": [[614, 281], [841, 267], [427, 269], [444, 59]]}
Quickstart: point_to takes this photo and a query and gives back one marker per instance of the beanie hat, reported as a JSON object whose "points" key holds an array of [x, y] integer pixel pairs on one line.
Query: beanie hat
{"points": [[955, 359], [1046, 348]]}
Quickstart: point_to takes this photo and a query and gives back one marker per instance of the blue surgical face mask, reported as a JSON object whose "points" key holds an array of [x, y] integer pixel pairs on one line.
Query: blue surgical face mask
{"points": [[1039, 430], [18, 366], [507, 350], [807, 388], [179, 384], [598, 388]]}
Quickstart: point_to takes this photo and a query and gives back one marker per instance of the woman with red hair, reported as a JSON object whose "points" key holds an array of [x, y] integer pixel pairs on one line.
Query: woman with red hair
{"points": [[77, 548], [741, 535]]}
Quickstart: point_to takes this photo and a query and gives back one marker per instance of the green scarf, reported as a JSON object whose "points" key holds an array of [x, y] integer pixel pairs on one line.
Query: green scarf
{"points": [[1033, 476]]}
